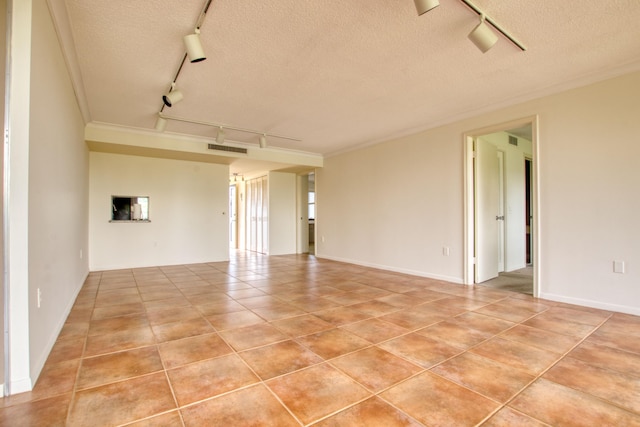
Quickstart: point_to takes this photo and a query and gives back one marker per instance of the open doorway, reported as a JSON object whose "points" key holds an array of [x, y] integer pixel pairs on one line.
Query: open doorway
{"points": [[311, 213], [306, 212], [233, 216], [500, 237]]}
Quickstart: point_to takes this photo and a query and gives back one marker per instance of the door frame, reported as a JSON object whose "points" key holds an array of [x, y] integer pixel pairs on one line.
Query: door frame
{"points": [[501, 223], [469, 231], [529, 212]]}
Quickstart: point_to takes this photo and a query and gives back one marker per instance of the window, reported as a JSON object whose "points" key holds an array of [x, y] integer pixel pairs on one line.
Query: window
{"points": [[127, 208], [312, 205]]}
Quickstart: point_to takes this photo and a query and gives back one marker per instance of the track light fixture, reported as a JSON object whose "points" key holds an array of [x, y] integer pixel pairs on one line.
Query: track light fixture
{"points": [[235, 177], [174, 96], [483, 36], [221, 129], [161, 124], [220, 137], [424, 6], [195, 52]]}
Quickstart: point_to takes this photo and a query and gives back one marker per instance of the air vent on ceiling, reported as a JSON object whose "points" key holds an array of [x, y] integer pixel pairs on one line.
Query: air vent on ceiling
{"points": [[513, 140], [227, 148]]}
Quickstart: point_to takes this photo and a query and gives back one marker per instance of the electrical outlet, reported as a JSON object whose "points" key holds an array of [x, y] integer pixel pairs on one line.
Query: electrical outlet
{"points": [[39, 297], [445, 251], [80, 253], [322, 239]]}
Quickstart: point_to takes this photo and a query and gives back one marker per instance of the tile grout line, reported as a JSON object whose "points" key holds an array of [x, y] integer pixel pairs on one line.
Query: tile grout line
{"points": [[84, 347], [164, 368], [543, 372]]}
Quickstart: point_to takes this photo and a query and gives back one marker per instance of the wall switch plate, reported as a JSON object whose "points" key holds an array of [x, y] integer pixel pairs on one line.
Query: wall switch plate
{"points": [[618, 267], [39, 297], [445, 251]]}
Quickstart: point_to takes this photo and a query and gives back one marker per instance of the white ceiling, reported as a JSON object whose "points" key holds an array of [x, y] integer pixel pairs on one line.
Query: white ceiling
{"points": [[336, 74]]}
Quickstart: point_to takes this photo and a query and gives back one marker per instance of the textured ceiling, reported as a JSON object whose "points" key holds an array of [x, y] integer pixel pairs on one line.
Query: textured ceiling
{"points": [[338, 74]]}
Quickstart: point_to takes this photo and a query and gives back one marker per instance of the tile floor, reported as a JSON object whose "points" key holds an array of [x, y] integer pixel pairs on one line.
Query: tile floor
{"points": [[293, 340]]}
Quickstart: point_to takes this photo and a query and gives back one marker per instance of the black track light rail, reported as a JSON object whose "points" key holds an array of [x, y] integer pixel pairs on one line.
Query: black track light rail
{"points": [[199, 23], [494, 25]]}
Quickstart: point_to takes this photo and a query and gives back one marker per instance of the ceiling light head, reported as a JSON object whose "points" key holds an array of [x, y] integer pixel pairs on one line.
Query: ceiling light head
{"points": [[161, 124], [263, 141], [424, 6], [194, 47], [174, 96], [220, 136], [483, 36]]}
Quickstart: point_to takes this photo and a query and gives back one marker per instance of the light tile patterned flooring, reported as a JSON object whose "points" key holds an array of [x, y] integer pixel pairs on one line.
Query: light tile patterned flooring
{"points": [[293, 340]]}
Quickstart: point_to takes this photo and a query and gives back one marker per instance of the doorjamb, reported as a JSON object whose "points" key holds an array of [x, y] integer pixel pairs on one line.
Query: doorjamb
{"points": [[469, 232]]}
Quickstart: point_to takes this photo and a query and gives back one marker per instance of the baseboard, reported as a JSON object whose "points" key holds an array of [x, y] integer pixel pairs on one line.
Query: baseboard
{"points": [[20, 386], [39, 365], [590, 303], [455, 280]]}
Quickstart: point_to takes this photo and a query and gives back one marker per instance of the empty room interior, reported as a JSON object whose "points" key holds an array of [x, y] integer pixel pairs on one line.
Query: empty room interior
{"points": [[329, 213]]}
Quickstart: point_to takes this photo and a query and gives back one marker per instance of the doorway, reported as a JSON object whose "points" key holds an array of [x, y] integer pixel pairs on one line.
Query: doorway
{"points": [[257, 215], [233, 217], [500, 213], [528, 174]]}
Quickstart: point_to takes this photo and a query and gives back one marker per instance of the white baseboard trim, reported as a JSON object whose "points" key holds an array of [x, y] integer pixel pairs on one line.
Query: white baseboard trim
{"points": [[590, 303], [39, 365], [21, 386], [455, 280]]}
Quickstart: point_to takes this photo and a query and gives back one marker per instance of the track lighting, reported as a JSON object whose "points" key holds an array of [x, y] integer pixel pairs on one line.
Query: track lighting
{"points": [[161, 124], [220, 136], [483, 36], [174, 96], [194, 47], [424, 6]]}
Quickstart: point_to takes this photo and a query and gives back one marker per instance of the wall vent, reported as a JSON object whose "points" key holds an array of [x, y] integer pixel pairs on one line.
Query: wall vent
{"points": [[513, 140], [227, 148]]}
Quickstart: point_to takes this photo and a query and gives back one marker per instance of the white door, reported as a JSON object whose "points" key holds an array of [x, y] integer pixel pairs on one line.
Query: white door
{"points": [[487, 199], [233, 218]]}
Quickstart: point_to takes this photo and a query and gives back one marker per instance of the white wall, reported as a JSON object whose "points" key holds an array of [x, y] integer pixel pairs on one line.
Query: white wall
{"points": [[3, 56], [241, 193], [396, 204], [514, 197], [188, 209], [58, 191], [282, 213]]}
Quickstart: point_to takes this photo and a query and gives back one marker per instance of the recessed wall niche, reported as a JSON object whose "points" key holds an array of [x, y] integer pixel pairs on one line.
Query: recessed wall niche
{"points": [[129, 208]]}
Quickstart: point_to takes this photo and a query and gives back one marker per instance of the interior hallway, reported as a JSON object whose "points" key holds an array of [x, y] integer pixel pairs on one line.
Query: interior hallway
{"points": [[294, 340]]}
